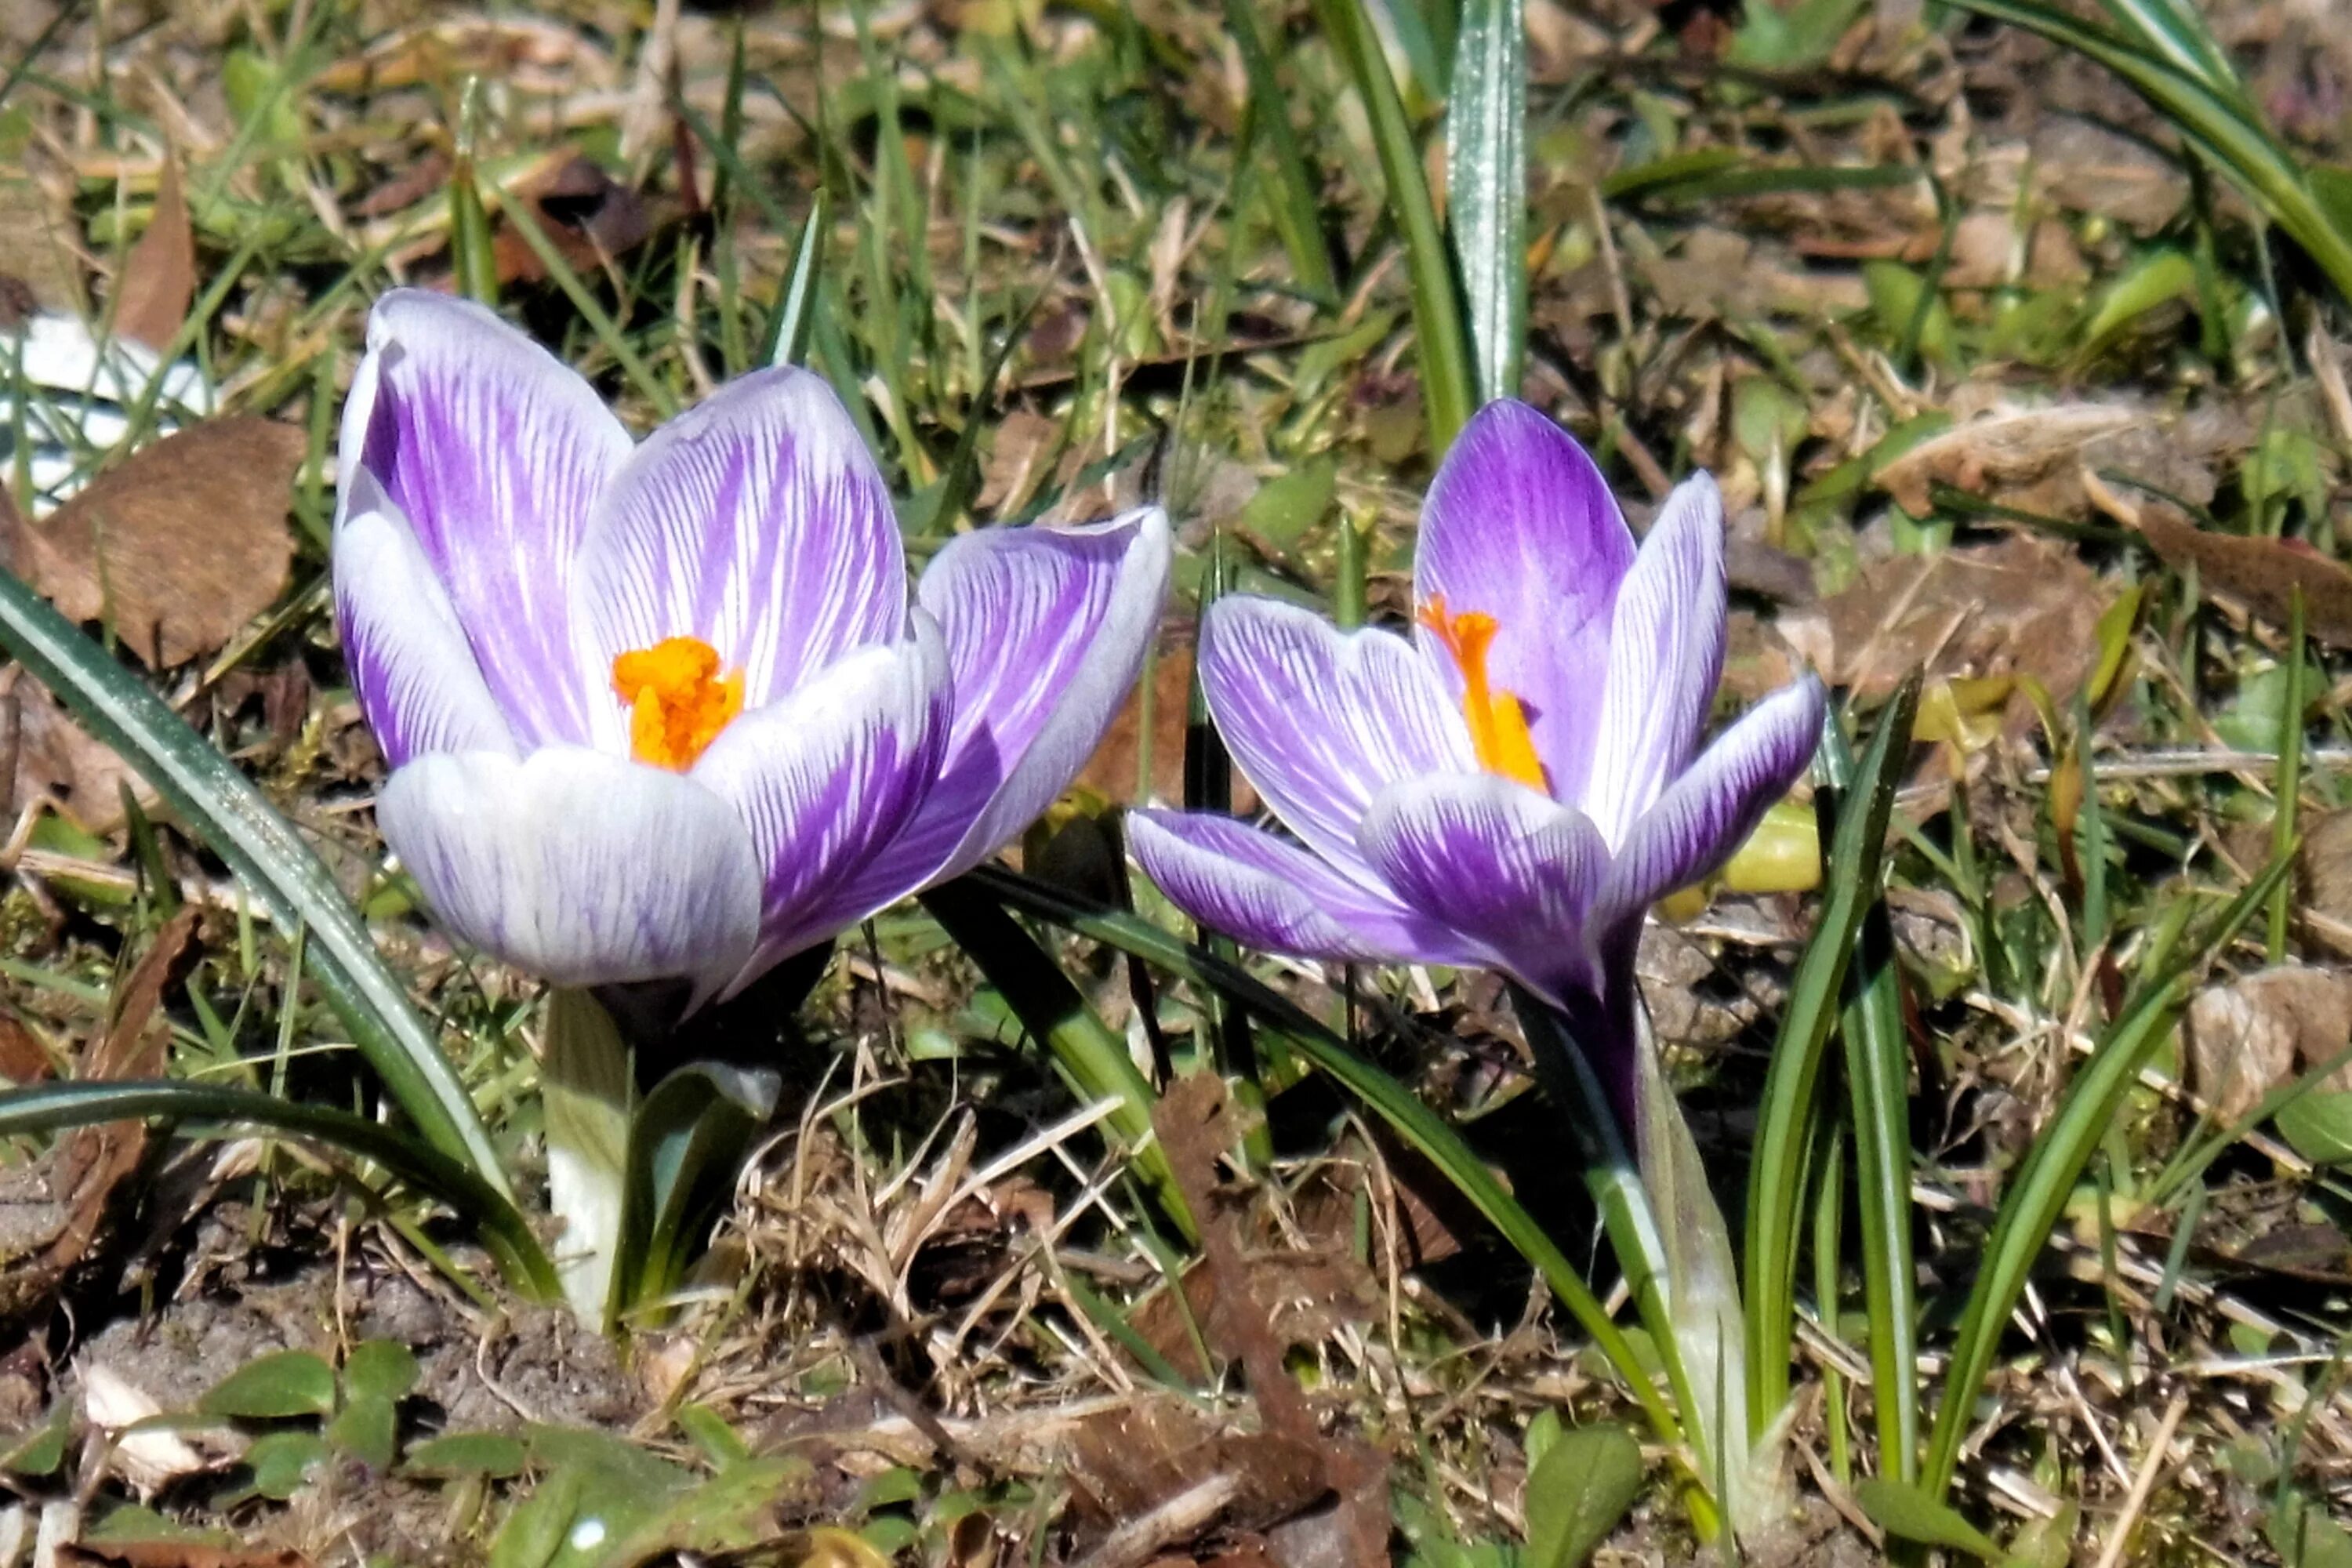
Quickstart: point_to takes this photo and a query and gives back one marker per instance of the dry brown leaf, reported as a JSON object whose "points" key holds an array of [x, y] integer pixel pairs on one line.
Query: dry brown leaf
{"points": [[1131, 1462], [589, 216], [2259, 1031], [177, 1554], [22, 1060], [1305, 1294], [92, 1162], [2020, 607], [1196, 1123], [2037, 459], [1017, 459], [178, 547], [2262, 574], [39, 248], [46, 753], [159, 275]]}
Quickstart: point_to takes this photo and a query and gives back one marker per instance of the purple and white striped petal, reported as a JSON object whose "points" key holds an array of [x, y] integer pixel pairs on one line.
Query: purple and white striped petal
{"points": [[827, 777], [1274, 895], [1506, 867], [755, 521], [1665, 659], [1321, 720], [415, 678], [1520, 525], [576, 866], [1706, 813], [494, 452], [1045, 631]]}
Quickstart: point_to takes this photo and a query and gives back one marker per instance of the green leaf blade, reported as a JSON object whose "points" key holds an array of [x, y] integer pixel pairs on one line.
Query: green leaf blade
{"points": [[222, 805], [1486, 187]]}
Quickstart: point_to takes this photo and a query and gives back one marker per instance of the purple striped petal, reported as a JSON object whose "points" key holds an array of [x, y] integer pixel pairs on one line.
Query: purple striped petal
{"points": [[494, 452], [1665, 658], [827, 777], [756, 522], [1520, 525], [1045, 631], [578, 866], [1273, 895], [415, 678], [1498, 862], [1321, 720], [1706, 813]]}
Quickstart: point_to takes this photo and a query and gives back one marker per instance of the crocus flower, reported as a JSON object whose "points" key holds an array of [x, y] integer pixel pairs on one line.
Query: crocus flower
{"points": [[1514, 785], [662, 710]]}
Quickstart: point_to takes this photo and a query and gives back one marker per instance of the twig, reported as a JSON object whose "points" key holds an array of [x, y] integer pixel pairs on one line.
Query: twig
{"points": [[2150, 1467]]}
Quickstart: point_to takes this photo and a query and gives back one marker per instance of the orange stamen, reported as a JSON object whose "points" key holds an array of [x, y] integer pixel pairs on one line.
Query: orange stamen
{"points": [[678, 699], [1498, 725]]}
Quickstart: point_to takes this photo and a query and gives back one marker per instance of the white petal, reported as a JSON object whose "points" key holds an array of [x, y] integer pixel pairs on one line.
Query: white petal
{"points": [[756, 522], [577, 866], [415, 675], [1321, 720], [1665, 658], [827, 778], [494, 450]]}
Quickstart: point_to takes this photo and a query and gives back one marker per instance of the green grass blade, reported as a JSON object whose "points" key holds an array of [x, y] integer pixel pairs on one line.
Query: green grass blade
{"points": [[788, 327], [2173, 31], [1627, 1202], [2038, 1192], [1486, 187], [2220, 124], [1291, 204], [1395, 1104], [217, 802], [1878, 1072], [53, 1107], [607, 332], [1089, 1055], [2290, 778], [1777, 1178], [1447, 383]]}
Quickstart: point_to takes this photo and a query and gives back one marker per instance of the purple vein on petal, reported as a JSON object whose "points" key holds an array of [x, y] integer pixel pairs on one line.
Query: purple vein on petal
{"points": [[1279, 897], [493, 452], [1519, 524]]}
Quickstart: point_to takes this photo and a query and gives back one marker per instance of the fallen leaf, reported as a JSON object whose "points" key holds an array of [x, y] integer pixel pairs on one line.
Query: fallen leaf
{"points": [[589, 216], [1017, 460], [2261, 574], [1306, 1295], [178, 1555], [2020, 606], [148, 1459], [45, 753], [1115, 771], [2250, 1035], [178, 547], [22, 1060], [1131, 1462], [159, 275], [92, 1162], [2035, 459], [1195, 1122]]}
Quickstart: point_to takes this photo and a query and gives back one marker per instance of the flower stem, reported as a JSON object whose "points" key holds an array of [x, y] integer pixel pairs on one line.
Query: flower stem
{"points": [[587, 1091], [1627, 1213]]}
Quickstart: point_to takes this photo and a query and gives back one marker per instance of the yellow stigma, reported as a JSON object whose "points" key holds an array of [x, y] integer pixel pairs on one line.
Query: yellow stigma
{"points": [[1498, 725], [678, 699]]}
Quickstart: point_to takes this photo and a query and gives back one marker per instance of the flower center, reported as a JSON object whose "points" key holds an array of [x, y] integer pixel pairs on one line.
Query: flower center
{"points": [[678, 699], [1498, 725]]}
